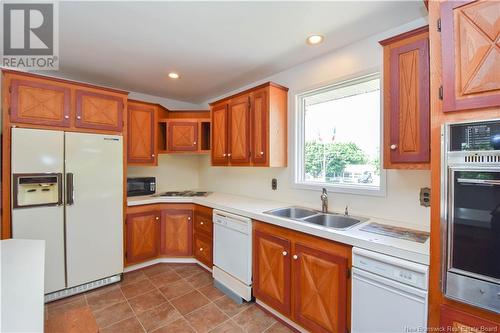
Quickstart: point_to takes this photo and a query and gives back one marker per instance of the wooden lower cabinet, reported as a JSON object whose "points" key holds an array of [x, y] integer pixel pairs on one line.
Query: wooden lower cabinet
{"points": [[457, 321], [272, 264], [142, 236], [302, 277], [176, 232], [202, 248]]}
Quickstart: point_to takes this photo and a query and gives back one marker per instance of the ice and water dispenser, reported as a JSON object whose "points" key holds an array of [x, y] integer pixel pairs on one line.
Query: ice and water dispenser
{"points": [[35, 190]]}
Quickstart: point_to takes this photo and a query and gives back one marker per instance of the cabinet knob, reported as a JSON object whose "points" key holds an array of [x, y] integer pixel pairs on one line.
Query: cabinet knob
{"points": [[262, 153], [157, 218], [284, 253], [78, 117], [393, 147], [152, 155], [189, 219], [201, 223], [224, 154], [295, 257], [194, 143], [229, 154], [66, 117], [201, 249]]}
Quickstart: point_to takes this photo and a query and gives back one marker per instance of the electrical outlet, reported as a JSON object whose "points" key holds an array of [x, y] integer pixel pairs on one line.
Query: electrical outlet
{"points": [[274, 184], [425, 196]]}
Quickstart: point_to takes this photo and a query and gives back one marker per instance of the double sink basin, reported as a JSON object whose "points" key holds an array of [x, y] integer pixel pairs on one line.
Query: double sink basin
{"points": [[329, 220]]}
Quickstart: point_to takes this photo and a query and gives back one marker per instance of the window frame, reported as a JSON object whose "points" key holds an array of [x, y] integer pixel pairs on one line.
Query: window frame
{"points": [[299, 141]]}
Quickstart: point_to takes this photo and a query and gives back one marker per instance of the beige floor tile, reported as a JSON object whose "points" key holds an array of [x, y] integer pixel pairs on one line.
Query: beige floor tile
{"points": [[189, 302], [254, 320], [158, 316], [112, 314], [146, 301], [206, 318]]}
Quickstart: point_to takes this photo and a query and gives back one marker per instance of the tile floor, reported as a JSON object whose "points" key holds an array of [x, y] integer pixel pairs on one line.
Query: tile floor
{"points": [[173, 298]]}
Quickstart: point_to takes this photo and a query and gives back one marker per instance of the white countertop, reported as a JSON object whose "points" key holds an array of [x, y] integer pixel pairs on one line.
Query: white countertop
{"points": [[22, 285], [254, 208]]}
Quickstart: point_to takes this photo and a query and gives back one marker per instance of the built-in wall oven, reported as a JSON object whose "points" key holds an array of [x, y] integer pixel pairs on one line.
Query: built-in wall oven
{"points": [[470, 213]]}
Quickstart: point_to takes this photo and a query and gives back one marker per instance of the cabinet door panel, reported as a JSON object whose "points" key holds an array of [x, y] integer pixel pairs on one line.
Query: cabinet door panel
{"points": [[202, 248], [140, 145], [239, 131], [219, 135], [176, 232], [203, 223], [271, 282], [99, 111], [410, 110], [320, 284], [471, 54], [183, 136], [143, 230], [457, 321], [260, 124], [39, 103]]}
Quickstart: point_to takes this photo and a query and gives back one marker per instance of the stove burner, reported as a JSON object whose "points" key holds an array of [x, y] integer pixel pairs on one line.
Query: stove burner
{"points": [[183, 194]]}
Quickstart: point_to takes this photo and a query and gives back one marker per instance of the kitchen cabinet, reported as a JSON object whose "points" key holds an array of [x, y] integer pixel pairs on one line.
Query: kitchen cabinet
{"points": [[320, 284], [99, 111], [182, 136], [219, 134], [406, 101], [176, 232], [272, 267], [41, 103], [141, 145], [302, 277], [203, 235], [470, 55], [250, 128], [142, 236], [453, 320]]}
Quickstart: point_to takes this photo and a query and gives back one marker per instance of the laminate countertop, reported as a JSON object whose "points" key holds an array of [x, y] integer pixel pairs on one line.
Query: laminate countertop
{"points": [[255, 208]]}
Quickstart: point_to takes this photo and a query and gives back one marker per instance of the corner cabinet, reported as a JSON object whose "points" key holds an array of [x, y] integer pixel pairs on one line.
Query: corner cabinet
{"points": [[141, 138], [470, 54], [406, 101], [302, 277], [250, 128], [182, 136]]}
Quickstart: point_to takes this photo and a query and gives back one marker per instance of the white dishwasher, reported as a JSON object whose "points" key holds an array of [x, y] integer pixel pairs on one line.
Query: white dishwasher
{"points": [[389, 294], [233, 254]]}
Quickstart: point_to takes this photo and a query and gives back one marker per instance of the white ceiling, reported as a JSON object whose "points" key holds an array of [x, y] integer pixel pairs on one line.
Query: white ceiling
{"points": [[215, 46]]}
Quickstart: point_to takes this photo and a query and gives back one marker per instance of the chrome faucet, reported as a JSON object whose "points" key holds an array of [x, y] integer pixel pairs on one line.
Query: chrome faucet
{"points": [[324, 201]]}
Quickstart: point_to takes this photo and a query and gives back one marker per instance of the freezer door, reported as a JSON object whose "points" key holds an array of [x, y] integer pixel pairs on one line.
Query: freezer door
{"points": [[94, 207], [35, 152]]}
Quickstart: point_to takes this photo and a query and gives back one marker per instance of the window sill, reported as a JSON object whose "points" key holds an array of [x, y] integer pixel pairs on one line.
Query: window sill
{"points": [[346, 189]]}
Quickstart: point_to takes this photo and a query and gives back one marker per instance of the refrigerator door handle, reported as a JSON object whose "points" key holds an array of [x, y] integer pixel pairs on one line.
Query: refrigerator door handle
{"points": [[59, 190], [69, 189]]}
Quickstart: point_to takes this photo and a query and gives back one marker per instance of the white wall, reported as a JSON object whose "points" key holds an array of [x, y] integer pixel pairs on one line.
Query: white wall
{"points": [[363, 57]]}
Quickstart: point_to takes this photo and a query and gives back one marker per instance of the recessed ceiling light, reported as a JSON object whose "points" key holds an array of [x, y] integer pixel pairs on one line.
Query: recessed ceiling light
{"points": [[314, 39], [173, 75]]}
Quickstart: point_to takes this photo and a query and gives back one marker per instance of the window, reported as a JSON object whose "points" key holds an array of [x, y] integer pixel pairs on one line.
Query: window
{"points": [[338, 137]]}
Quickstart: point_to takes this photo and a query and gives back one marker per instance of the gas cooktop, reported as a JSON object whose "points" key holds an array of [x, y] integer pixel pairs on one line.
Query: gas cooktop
{"points": [[182, 194]]}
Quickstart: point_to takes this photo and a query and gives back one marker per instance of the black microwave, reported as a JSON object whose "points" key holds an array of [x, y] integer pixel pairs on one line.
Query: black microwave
{"points": [[141, 186]]}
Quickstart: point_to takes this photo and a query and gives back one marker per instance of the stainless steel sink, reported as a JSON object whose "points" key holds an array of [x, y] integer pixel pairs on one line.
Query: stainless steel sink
{"points": [[334, 220], [292, 212], [330, 220]]}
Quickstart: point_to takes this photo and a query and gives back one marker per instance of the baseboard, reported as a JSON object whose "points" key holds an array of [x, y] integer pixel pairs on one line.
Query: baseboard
{"points": [[166, 261], [280, 317]]}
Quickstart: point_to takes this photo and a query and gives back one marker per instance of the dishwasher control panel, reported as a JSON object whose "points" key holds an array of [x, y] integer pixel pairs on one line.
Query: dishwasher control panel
{"points": [[400, 270]]}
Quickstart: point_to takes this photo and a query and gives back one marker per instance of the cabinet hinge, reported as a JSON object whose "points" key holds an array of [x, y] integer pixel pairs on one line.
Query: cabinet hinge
{"points": [[10, 89], [439, 24], [8, 111], [348, 273], [441, 93], [126, 257]]}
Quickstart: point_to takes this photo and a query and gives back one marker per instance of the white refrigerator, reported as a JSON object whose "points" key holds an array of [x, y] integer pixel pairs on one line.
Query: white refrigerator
{"points": [[67, 189]]}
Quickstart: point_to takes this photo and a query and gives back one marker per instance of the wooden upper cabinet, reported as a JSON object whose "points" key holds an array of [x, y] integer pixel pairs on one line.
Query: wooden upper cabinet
{"points": [[470, 54], [250, 128], [320, 289], [141, 146], [99, 111], [239, 131], [219, 134], [176, 232], [271, 281], [40, 103], [142, 230], [406, 101], [260, 126], [182, 136]]}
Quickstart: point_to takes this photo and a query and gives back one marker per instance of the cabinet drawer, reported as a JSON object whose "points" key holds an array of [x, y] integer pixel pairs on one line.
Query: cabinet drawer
{"points": [[203, 223], [203, 249]]}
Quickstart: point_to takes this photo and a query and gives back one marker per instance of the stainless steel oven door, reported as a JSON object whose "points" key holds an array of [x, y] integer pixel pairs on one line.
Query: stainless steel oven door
{"points": [[473, 260]]}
